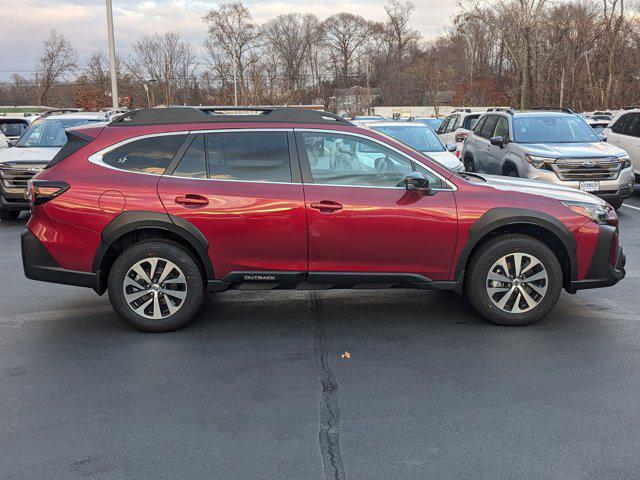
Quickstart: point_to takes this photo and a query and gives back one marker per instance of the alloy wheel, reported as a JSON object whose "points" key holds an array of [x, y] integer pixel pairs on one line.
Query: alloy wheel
{"points": [[155, 288], [517, 282]]}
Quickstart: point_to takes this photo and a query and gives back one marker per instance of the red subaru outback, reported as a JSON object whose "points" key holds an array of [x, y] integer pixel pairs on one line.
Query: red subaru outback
{"points": [[159, 206]]}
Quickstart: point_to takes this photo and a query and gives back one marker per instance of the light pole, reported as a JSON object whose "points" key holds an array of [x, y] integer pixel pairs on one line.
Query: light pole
{"points": [[112, 56]]}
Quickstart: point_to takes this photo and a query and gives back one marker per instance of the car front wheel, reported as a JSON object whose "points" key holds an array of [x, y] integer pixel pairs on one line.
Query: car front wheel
{"points": [[514, 280], [156, 286]]}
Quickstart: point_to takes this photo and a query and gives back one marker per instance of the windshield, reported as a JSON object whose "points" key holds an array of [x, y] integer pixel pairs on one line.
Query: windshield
{"points": [[553, 129], [13, 128], [50, 132], [417, 137]]}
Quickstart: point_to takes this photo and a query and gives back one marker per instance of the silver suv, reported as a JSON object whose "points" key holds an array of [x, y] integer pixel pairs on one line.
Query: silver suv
{"points": [[555, 146]]}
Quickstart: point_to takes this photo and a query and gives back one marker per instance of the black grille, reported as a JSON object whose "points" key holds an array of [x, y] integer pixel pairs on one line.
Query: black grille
{"points": [[581, 169]]}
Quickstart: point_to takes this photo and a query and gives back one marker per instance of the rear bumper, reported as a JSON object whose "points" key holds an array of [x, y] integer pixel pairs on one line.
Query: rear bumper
{"points": [[40, 265], [607, 264]]}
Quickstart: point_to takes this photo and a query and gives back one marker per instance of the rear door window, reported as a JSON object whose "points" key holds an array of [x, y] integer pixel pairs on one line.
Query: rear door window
{"points": [[193, 162], [632, 126], [621, 123], [470, 121], [249, 156], [489, 126], [146, 155], [502, 129], [478, 128]]}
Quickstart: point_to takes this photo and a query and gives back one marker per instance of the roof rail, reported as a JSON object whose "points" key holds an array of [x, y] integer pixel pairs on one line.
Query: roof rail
{"points": [[159, 116], [631, 107], [466, 110], [554, 109], [509, 110], [60, 111]]}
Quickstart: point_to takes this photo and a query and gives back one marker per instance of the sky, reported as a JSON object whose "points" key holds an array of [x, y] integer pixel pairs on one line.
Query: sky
{"points": [[26, 23]]}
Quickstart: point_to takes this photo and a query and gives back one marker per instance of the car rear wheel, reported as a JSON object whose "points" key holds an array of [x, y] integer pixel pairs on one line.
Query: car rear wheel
{"points": [[469, 164], [616, 204], [514, 280], [156, 286]]}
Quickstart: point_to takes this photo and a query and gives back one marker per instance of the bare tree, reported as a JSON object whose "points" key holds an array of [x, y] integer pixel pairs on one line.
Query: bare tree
{"points": [[166, 59], [232, 37], [347, 36], [59, 59], [399, 35]]}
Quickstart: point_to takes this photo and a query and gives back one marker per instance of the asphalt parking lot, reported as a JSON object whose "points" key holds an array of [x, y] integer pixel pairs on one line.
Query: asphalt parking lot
{"points": [[257, 388]]}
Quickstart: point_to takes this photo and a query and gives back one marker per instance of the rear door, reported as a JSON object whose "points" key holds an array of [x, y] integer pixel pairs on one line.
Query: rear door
{"points": [[482, 145], [363, 220], [495, 154], [242, 190]]}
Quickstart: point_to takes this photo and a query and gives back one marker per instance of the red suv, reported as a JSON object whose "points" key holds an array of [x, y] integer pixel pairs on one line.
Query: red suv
{"points": [[159, 206]]}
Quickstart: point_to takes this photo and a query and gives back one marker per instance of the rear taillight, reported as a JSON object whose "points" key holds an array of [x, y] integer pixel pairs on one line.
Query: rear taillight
{"points": [[458, 153], [41, 191], [461, 136]]}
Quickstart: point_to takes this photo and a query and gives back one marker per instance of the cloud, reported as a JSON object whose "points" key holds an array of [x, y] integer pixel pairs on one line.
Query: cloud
{"points": [[84, 22]]}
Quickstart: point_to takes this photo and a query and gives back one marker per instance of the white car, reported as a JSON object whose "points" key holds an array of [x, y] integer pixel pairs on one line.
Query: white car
{"points": [[32, 152], [422, 138], [624, 132], [12, 125], [456, 127]]}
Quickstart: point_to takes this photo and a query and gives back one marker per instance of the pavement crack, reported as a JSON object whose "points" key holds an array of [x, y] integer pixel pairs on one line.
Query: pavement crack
{"points": [[329, 431]]}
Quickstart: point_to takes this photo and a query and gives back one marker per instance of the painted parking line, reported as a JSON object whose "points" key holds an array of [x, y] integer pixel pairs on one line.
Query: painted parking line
{"points": [[631, 206]]}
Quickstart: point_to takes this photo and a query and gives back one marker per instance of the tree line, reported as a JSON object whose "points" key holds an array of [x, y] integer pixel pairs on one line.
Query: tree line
{"points": [[583, 54]]}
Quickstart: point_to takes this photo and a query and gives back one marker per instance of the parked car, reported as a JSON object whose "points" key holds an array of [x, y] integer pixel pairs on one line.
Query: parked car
{"points": [[38, 144], [433, 122], [12, 126], [422, 138], [597, 125], [624, 132], [162, 205], [552, 146], [455, 128]]}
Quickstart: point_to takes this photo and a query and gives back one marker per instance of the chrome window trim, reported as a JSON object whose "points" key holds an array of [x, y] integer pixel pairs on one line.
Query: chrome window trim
{"points": [[96, 158], [452, 186]]}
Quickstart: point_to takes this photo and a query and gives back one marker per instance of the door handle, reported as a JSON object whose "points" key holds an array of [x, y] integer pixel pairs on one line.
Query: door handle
{"points": [[326, 206], [191, 200]]}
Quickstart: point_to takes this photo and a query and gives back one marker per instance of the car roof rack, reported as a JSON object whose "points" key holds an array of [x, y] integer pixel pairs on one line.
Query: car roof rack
{"points": [[554, 109], [465, 110], [509, 110], [632, 107], [60, 111], [160, 116]]}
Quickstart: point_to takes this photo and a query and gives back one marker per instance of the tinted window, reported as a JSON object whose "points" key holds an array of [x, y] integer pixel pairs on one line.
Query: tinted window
{"points": [[50, 132], [479, 125], [502, 128], [453, 123], [489, 126], [621, 123], [193, 161], [347, 160], [251, 156], [445, 123], [13, 128], [553, 129], [633, 126], [148, 155], [470, 121]]}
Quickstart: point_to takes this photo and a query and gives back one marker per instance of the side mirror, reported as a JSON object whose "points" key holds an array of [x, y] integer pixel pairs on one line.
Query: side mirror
{"points": [[416, 181], [497, 141], [451, 147], [603, 137]]}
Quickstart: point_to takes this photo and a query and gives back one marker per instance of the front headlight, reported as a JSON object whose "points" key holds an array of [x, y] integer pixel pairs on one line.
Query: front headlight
{"points": [[600, 214], [539, 162], [626, 161]]}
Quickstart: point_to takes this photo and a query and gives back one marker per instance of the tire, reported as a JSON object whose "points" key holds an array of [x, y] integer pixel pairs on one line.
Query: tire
{"points": [[469, 164], [616, 204], [182, 289], [9, 214], [542, 298], [511, 172]]}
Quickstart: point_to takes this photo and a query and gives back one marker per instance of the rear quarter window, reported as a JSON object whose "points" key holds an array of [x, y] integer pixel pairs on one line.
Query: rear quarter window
{"points": [[146, 155]]}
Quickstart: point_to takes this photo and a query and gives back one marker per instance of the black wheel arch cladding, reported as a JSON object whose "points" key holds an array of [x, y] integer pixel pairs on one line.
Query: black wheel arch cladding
{"points": [[504, 217]]}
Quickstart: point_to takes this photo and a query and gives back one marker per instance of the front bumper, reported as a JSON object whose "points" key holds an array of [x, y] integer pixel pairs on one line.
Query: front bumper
{"points": [[607, 263], [40, 265], [610, 190]]}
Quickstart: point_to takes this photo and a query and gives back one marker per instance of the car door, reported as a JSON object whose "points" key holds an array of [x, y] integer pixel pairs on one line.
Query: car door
{"points": [[482, 145], [243, 192], [362, 220], [626, 135], [617, 132], [495, 154]]}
